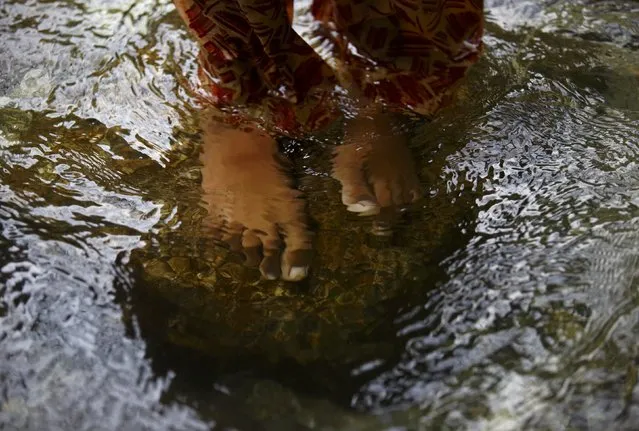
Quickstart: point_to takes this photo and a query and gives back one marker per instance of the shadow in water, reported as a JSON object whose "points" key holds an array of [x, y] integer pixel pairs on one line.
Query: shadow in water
{"points": [[211, 323], [506, 300]]}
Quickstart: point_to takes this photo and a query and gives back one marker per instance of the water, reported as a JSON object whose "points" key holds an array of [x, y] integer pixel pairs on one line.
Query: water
{"points": [[507, 300]]}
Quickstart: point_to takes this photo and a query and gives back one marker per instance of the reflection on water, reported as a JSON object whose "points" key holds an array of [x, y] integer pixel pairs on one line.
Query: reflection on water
{"points": [[507, 298]]}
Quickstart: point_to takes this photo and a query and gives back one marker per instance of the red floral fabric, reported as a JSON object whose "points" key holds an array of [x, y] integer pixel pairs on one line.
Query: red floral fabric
{"points": [[404, 54]]}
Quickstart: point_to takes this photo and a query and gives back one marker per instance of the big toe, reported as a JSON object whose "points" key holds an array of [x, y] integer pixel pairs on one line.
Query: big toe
{"points": [[296, 264]]}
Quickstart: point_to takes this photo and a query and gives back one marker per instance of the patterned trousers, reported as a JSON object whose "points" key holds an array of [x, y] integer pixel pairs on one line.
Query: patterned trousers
{"points": [[399, 54]]}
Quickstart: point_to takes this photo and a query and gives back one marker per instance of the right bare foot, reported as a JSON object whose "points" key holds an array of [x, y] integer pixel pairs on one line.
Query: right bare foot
{"points": [[251, 203]]}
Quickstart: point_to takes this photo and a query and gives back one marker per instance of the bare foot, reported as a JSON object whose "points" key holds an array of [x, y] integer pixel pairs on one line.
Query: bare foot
{"points": [[251, 203], [375, 168]]}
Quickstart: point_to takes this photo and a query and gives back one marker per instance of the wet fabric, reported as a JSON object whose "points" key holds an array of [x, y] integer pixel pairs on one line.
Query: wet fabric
{"points": [[400, 54]]}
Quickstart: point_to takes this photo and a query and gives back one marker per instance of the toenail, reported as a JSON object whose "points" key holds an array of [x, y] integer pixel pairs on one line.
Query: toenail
{"points": [[270, 266], [365, 206], [297, 273]]}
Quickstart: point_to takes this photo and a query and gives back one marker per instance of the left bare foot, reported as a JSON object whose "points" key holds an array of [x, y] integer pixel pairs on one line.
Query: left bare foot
{"points": [[375, 167]]}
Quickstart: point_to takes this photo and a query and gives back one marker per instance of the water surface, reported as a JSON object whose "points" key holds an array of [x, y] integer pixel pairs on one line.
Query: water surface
{"points": [[507, 300]]}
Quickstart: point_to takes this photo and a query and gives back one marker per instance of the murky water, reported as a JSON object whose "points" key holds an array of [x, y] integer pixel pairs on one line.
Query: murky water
{"points": [[508, 300]]}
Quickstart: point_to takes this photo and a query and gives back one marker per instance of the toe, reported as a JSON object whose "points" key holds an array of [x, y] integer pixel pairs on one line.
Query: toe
{"points": [[364, 207], [212, 229], [296, 259], [358, 198], [232, 235], [296, 264], [270, 266], [348, 169], [252, 248], [383, 192]]}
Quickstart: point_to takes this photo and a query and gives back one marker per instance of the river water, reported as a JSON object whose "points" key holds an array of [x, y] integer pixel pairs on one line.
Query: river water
{"points": [[507, 300]]}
